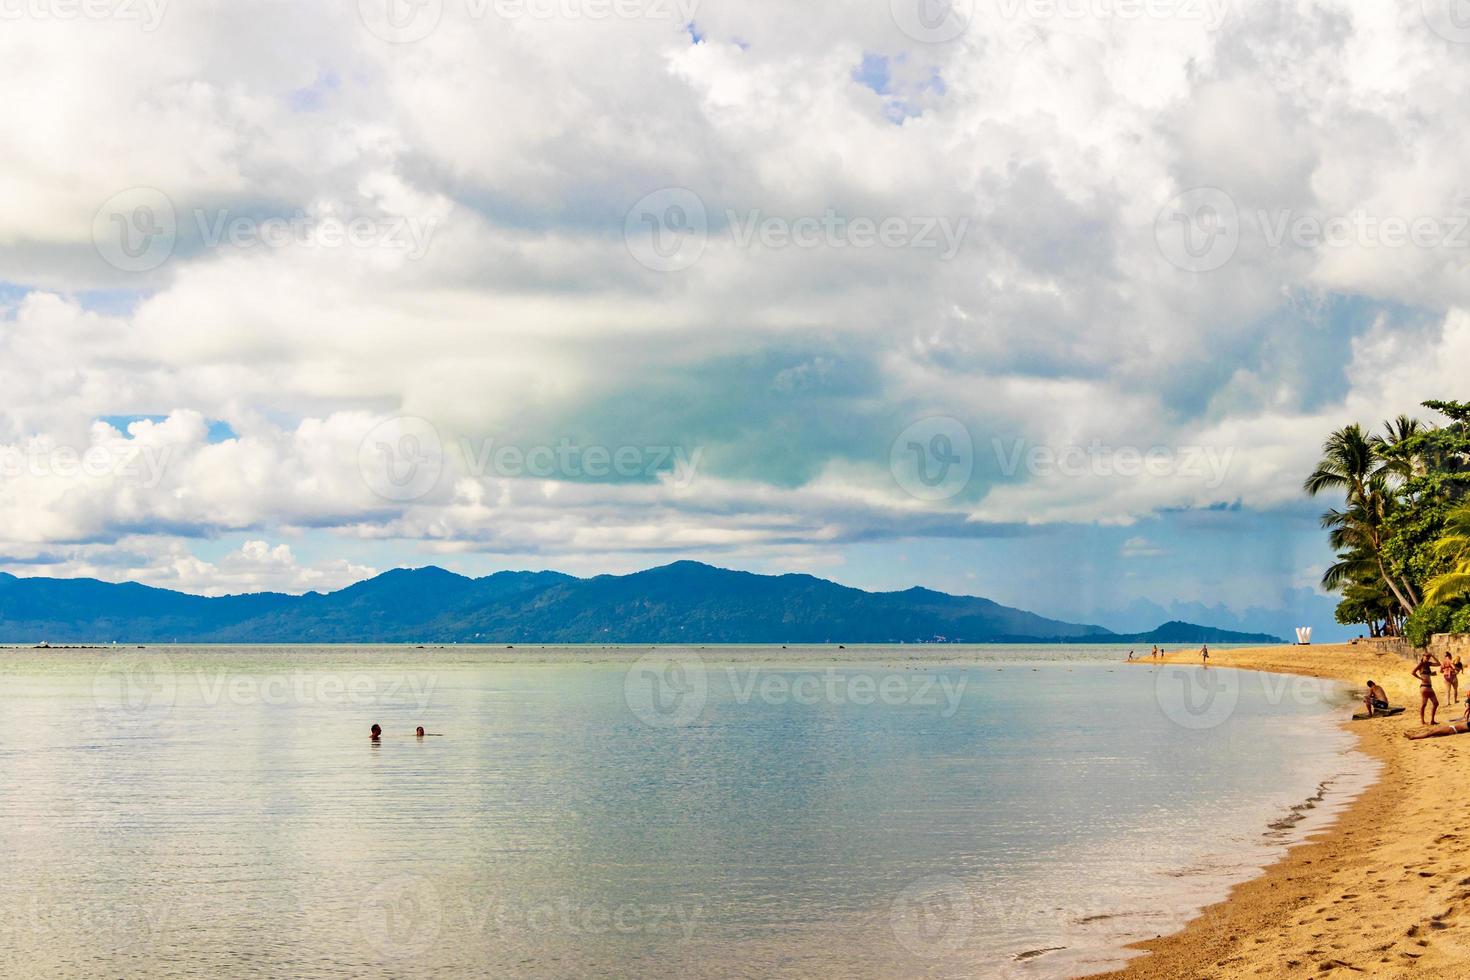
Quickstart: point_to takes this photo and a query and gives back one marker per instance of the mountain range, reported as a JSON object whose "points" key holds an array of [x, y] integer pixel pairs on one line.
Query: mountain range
{"points": [[686, 602]]}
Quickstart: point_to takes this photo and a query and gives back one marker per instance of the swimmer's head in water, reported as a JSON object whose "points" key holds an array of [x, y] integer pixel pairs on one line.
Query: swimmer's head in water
{"points": [[376, 731], [419, 731]]}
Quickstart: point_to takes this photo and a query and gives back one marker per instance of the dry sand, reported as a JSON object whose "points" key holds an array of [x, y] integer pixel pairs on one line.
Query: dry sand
{"points": [[1385, 891]]}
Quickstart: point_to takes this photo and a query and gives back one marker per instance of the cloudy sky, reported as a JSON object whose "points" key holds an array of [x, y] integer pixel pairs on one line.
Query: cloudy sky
{"points": [[1049, 302]]}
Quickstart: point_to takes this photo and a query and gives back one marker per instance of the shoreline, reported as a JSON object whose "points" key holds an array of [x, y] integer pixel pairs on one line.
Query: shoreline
{"points": [[1384, 889]]}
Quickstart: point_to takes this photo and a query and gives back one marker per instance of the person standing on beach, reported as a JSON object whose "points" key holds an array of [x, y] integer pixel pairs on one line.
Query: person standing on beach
{"points": [[1424, 670], [1204, 654], [1451, 675]]}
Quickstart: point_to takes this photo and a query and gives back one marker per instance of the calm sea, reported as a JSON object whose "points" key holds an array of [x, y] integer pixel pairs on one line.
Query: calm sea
{"points": [[679, 812]]}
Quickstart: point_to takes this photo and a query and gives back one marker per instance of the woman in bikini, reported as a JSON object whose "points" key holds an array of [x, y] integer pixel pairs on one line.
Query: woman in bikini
{"points": [[1452, 728], [1451, 675], [1424, 670]]}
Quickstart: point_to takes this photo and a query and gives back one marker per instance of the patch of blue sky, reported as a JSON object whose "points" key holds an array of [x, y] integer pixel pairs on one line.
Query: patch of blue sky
{"points": [[218, 431], [313, 97]]}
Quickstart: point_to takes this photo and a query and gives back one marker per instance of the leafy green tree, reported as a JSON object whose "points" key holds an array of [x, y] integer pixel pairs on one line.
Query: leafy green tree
{"points": [[1424, 622]]}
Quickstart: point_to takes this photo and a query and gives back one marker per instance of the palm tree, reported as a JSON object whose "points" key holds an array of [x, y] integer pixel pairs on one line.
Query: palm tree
{"points": [[1455, 545], [1393, 449], [1364, 594], [1353, 463]]}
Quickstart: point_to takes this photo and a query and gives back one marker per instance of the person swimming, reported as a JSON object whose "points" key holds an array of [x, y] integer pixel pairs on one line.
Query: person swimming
{"points": [[376, 732], [419, 731]]}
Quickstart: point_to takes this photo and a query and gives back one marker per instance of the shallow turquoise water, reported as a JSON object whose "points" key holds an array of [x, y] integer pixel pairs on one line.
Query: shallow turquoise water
{"points": [[933, 811]]}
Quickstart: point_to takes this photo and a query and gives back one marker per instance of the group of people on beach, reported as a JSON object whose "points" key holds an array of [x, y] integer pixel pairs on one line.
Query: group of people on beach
{"points": [[1450, 671], [1158, 654], [1376, 700]]}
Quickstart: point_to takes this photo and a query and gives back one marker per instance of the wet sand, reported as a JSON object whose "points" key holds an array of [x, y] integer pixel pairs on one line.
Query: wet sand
{"points": [[1385, 891]]}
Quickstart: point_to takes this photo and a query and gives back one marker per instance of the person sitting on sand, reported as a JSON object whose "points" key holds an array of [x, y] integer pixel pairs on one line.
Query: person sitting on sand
{"points": [[1424, 670], [1376, 699], [376, 732], [1449, 728]]}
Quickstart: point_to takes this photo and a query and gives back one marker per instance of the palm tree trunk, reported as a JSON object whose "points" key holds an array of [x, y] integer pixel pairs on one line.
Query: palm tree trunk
{"points": [[1392, 585]]}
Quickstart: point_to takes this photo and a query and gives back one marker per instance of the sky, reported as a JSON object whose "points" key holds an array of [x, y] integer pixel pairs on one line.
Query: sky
{"points": [[1051, 302]]}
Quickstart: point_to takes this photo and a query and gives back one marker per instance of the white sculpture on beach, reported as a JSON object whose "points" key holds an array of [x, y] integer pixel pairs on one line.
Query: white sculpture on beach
{"points": [[1304, 635]]}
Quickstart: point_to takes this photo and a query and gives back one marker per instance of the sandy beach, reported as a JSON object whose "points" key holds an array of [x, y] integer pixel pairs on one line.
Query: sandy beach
{"points": [[1384, 892]]}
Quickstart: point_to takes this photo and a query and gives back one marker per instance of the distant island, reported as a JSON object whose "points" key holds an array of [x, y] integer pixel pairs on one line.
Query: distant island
{"points": [[685, 602]]}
